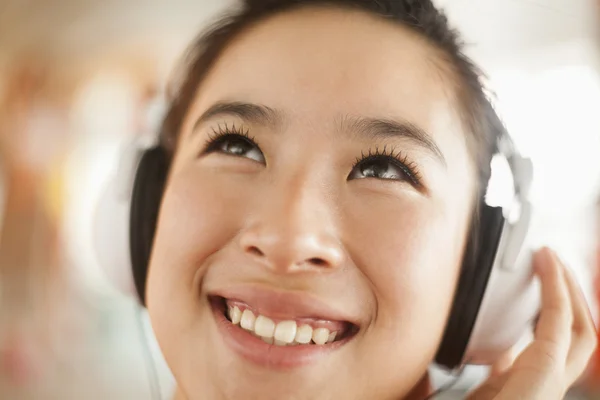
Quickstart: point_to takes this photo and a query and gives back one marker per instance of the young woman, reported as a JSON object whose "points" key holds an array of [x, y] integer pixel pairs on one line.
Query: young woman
{"points": [[326, 159]]}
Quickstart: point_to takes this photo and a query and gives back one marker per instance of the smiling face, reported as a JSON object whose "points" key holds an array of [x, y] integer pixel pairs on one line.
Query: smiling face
{"points": [[321, 184]]}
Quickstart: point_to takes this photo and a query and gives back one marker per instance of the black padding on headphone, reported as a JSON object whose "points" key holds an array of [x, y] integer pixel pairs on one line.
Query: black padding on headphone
{"points": [[146, 197], [475, 272]]}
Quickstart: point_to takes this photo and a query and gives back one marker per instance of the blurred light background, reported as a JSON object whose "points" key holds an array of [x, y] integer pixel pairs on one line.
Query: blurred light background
{"points": [[79, 79]]}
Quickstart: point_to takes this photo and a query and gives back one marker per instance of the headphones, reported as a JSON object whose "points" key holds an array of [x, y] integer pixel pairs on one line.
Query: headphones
{"points": [[497, 298]]}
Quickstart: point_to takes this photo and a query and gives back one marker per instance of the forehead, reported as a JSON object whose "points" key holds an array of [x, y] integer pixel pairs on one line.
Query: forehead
{"points": [[322, 63]]}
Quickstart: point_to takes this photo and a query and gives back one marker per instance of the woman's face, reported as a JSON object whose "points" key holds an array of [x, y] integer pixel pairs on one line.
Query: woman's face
{"points": [[321, 184]]}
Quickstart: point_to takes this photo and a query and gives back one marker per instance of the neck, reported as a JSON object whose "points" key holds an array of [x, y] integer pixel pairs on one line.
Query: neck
{"points": [[421, 390], [179, 395]]}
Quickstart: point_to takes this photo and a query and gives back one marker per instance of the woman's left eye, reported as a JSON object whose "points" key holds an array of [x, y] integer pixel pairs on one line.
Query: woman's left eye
{"points": [[236, 145], [380, 167]]}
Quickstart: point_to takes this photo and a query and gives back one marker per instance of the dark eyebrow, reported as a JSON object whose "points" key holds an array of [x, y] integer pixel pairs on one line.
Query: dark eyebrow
{"points": [[381, 128], [249, 112], [371, 128]]}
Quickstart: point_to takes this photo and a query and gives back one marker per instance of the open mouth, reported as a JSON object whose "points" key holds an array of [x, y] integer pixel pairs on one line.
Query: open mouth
{"points": [[287, 331]]}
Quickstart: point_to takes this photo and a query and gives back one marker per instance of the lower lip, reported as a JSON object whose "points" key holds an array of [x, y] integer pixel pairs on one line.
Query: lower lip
{"points": [[258, 352]]}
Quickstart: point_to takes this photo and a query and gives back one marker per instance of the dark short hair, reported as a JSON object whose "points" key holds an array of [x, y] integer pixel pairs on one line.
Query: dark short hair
{"points": [[421, 16]]}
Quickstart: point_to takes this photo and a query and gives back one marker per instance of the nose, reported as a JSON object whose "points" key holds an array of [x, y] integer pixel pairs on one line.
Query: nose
{"points": [[293, 230]]}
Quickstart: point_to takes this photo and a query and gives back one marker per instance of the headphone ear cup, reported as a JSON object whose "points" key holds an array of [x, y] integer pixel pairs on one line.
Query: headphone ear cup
{"points": [[146, 198], [512, 298], [478, 262], [110, 235]]}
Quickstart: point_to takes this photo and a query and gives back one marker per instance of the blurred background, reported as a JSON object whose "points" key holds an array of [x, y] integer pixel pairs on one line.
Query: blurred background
{"points": [[81, 78]]}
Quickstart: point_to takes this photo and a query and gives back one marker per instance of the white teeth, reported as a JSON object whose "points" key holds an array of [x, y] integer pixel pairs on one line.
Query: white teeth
{"points": [[285, 331], [248, 319], [331, 338], [304, 334], [235, 315], [268, 340], [264, 327], [320, 335]]}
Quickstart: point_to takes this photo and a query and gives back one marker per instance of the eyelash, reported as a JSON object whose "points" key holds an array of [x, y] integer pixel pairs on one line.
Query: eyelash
{"points": [[226, 131], [397, 158]]}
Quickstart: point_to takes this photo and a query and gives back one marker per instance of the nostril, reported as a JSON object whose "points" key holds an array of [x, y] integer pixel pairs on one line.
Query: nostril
{"points": [[255, 251], [319, 262]]}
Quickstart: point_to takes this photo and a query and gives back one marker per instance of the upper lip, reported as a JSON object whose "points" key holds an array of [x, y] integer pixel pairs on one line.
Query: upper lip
{"points": [[284, 304]]}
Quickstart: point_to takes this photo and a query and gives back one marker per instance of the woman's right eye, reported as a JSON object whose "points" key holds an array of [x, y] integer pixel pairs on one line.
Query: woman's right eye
{"points": [[236, 145]]}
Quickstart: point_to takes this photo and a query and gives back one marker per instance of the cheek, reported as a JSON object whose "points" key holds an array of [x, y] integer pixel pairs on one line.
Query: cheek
{"points": [[410, 251], [198, 218]]}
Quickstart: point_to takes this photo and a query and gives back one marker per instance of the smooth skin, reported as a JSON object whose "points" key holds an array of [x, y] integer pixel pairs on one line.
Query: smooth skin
{"points": [[296, 210]]}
